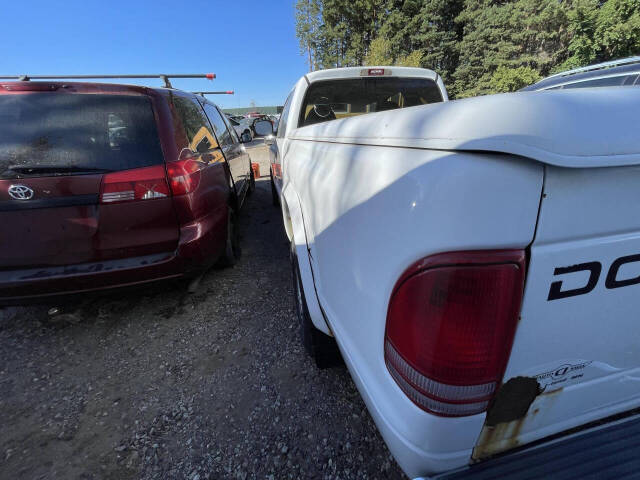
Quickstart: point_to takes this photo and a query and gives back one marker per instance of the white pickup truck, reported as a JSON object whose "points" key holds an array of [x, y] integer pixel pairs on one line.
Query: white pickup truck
{"points": [[478, 264]]}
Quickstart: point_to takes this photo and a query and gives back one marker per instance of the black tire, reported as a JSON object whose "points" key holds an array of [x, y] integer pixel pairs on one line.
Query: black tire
{"points": [[232, 249], [252, 182], [322, 348], [275, 199]]}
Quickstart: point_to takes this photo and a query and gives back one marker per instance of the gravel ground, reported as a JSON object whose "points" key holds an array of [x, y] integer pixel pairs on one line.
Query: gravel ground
{"points": [[160, 383]]}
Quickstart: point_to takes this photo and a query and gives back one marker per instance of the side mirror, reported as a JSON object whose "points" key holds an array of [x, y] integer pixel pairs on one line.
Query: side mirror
{"points": [[245, 138], [263, 128], [269, 140]]}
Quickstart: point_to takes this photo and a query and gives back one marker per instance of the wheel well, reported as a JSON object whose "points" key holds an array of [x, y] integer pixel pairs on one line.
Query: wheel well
{"points": [[286, 217], [232, 199]]}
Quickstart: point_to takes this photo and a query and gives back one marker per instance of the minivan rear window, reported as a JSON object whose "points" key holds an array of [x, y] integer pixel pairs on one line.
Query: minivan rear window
{"points": [[45, 134], [331, 99]]}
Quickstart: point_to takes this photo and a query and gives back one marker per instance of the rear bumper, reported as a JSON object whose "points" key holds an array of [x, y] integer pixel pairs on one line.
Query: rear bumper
{"points": [[29, 285], [606, 451], [200, 245]]}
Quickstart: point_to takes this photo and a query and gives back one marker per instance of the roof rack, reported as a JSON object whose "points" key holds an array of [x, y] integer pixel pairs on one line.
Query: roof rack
{"points": [[227, 92], [598, 66], [165, 77]]}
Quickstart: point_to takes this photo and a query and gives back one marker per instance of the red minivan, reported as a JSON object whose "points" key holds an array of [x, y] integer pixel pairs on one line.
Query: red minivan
{"points": [[105, 186]]}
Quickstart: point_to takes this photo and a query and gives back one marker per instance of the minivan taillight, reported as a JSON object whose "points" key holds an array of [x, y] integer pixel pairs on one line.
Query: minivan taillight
{"points": [[184, 175], [450, 327], [138, 184]]}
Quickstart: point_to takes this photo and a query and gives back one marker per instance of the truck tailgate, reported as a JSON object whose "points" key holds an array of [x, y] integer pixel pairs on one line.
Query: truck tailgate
{"points": [[576, 353]]}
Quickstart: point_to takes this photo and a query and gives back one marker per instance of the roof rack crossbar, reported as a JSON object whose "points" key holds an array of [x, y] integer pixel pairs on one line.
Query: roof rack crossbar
{"points": [[598, 66], [227, 92], [165, 77]]}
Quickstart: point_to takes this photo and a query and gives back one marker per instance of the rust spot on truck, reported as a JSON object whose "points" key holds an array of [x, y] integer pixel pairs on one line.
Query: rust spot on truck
{"points": [[506, 417], [552, 393], [513, 400]]}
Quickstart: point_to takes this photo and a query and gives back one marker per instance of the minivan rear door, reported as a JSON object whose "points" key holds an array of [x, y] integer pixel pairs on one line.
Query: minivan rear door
{"points": [[57, 149]]}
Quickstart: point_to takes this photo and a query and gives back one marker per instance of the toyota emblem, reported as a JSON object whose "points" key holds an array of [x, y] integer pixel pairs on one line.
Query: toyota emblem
{"points": [[20, 192]]}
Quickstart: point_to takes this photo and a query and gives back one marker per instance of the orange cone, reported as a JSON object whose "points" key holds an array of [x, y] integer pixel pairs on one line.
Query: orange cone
{"points": [[256, 170]]}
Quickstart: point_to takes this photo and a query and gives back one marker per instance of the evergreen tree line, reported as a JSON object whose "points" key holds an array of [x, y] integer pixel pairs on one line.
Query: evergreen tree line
{"points": [[478, 46]]}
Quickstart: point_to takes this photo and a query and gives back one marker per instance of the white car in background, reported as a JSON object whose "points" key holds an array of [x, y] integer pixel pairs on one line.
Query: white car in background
{"points": [[241, 126], [624, 72], [477, 263]]}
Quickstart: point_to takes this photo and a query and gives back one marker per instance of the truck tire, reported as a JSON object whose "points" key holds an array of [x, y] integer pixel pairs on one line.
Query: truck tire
{"points": [[232, 250], [322, 348], [274, 193]]}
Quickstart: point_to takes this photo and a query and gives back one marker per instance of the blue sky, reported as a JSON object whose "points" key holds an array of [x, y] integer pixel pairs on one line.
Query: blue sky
{"points": [[249, 44]]}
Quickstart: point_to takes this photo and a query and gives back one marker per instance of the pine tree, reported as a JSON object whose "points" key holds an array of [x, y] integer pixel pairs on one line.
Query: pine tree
{"points": [[308, 18], [520, 33], [618, 29], [582, 27], [425, 29], [348, 27], [477, 46]]}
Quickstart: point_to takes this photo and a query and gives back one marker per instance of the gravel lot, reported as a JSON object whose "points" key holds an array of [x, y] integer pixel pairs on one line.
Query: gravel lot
{"points": [[160, 383]]}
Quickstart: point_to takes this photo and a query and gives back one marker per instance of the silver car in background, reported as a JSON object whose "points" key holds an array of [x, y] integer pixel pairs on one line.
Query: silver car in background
{"points": [[241, 126], [624, 72]]}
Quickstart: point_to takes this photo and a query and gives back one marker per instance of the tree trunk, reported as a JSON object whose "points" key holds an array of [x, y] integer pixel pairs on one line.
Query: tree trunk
{"points": [[309, 35]]}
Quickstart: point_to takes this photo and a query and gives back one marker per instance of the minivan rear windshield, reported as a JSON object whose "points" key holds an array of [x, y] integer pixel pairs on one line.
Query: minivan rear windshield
{"points": [[331, 99], [45, 134]]}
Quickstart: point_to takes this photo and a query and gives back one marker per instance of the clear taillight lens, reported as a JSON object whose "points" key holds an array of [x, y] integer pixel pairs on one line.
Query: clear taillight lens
{"points": [[450, 327], [184, 175]]}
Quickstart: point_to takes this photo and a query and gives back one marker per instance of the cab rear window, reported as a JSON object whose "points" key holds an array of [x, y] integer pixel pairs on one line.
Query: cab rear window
{"points": [[331, 99], [44, 134]]}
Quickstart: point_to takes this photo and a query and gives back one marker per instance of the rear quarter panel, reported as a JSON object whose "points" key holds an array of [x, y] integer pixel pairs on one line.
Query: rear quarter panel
{"points": [[202, 214], [583, 349], [369, 213]]}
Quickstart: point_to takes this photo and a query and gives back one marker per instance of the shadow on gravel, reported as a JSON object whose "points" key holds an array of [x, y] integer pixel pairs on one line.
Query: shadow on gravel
{"points": [[160, 383]]}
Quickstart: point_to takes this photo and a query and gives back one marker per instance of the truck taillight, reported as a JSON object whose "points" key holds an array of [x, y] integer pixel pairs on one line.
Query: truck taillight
{"points": [[138, 184], [184, 175], [450, 327]]}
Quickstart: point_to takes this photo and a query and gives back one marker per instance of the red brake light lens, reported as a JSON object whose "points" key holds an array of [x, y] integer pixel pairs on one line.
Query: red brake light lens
{"points": [[137, 184], [184, 175], [450, 327]]}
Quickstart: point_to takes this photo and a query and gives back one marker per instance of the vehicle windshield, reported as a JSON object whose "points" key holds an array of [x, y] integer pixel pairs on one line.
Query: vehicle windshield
{"points": [[45, 134], [333, 99]]}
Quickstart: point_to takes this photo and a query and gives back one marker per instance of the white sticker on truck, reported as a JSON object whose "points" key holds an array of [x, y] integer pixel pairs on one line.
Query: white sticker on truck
{"points": [[569, 372]]}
